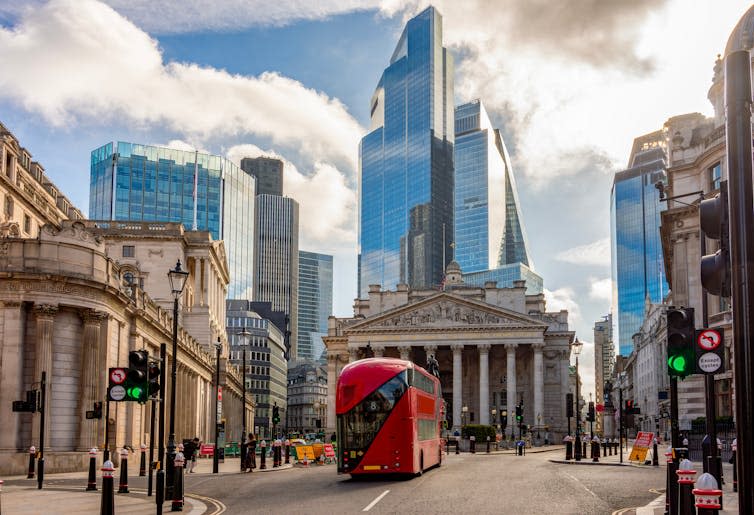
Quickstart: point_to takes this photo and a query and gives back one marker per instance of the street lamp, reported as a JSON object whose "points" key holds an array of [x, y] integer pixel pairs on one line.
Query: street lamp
{"points": [[243, 341], [503, 421], [576, 349], [215, 457], [178, 280]]}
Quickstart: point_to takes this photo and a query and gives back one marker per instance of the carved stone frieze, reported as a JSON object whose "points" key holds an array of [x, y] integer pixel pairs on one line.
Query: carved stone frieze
{"points": [[45, 310], [92, 316], [443, 314]]}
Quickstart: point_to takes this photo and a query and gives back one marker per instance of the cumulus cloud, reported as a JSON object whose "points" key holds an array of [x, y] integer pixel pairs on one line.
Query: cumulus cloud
{"points": [[564, 298], [69, 60], [591, 254], [601, 289]]}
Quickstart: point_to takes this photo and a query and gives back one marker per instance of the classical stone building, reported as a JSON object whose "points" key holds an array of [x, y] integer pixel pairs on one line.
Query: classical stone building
{"points": [[307, 397], [495, 347], [72, 305]]}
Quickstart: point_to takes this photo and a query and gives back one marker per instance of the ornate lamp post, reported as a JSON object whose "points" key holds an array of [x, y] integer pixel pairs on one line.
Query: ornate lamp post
{"points": [[215, 457], [178, 280], [243, 341], [503, 421], [576, 349]]}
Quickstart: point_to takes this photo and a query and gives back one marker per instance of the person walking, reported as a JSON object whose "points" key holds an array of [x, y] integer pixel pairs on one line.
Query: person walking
{"points": [[195, 446], [251, 453]]}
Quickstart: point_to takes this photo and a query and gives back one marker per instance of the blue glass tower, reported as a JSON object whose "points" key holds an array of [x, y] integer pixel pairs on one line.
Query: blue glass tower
{"points": [[406, 164], [315, 290], [131, 182], [637, 262]]}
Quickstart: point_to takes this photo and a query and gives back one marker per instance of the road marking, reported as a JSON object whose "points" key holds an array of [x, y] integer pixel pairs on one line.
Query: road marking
{"points": [[582, 484], [378, 499]]}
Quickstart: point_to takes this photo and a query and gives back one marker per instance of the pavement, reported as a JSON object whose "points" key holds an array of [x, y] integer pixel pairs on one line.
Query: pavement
{"points": [[65, 493]]}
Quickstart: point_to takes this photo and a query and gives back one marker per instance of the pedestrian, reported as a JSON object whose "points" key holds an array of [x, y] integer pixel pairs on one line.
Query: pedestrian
{"points": [[188, 451], [195, 446], [251, 453]]}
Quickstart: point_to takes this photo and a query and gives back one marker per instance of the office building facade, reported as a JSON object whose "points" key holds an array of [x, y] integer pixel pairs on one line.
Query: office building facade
{"points": [[638, 270], [268, 172], [315, 294], [406, 164], [276, 273], [134, 182]]}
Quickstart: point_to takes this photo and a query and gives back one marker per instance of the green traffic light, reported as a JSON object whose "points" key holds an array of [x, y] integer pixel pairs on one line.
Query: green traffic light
{"points": [[135, 392], [677, 363]]}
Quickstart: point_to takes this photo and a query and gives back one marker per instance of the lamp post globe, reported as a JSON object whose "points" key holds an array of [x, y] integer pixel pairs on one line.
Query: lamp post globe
{"points": [[178, 278]]}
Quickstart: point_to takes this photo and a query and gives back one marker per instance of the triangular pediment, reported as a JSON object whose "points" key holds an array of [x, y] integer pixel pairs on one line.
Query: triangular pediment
{"points": [[445, 311]]}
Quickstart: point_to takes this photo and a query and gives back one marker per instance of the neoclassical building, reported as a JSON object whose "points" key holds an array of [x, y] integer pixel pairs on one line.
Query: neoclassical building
{"points": [[74, 301], [495, 346]]}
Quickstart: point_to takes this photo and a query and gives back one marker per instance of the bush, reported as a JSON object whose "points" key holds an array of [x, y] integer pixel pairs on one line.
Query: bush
{"points": [[479, 431]]}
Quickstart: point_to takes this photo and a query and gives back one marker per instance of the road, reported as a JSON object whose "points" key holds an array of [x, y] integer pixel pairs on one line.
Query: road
{"points": [[478, 484]]}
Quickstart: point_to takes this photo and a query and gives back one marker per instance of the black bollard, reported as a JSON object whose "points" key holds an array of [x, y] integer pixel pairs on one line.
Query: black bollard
{"points": [[604, 448], [569, 449], [108, 497], [287, 451], [458, 445], [655, 457], [92, 483], [32, 455], [177, 504], [595, 452], [685, 487], [735, 472], [488, 445], [707, 495], [143, 464], [472, 444], [123, 486], [263, 455], [671, 485], [583, 452]]}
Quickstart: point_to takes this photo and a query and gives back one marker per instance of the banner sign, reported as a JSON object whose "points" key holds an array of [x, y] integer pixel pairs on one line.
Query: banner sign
{"points": [[641, 446]]}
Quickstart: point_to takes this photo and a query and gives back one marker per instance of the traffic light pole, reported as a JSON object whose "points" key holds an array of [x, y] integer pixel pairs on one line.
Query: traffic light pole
{"points": [[620, 421], [160, 489], [43, 404], [106, 452], [738, 102]]}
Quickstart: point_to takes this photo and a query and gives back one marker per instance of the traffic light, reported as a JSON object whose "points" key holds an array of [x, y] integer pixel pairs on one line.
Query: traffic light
{"points": [[519, 412], [713, 219], [137, 380], [631, 408], [590, 413], [681, 353], [275, 415], [153, 375], [569, 405]]}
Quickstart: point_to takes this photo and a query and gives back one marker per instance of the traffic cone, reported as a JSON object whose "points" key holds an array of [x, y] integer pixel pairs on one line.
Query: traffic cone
{"points": [[306, 460]]}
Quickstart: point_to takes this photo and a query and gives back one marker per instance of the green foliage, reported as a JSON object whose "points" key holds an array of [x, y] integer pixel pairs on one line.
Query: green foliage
{"points": [[479, 431]]}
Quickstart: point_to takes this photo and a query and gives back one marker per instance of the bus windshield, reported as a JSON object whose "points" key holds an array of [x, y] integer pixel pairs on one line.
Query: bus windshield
{"points": [[361, 424]]}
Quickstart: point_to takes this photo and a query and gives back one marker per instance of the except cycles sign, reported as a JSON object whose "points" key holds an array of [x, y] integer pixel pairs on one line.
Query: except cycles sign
{"points": [[709, 351]]}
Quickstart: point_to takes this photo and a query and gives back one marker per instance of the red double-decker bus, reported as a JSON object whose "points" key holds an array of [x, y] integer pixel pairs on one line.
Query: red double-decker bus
{"points": [[389, 418]]}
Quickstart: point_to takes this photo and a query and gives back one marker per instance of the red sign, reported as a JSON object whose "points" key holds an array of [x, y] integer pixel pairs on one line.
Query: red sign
{"points": [[708, 339], [206, 450], [219, 393], [117, 375], [600, 408], [329, 450]]}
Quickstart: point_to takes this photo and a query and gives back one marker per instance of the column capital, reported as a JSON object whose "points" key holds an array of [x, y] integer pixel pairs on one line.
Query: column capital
{"points": [[538, 347], [510, 346], [92, 316], [483, 347], [45, 310], [456, 347]]}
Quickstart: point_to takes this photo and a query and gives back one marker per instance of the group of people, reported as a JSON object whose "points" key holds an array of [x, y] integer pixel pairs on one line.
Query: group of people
{"points": [[250, 454]]}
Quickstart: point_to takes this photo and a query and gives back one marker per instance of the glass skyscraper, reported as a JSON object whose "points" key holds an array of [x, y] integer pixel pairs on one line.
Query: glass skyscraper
{"points": [[315, 290], [488, 227], [637, 262], [130, 181], [406, 164]]}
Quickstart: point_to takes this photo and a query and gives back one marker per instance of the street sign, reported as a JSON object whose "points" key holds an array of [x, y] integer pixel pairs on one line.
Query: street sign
{"points": [[600, 408], [708, 339], [117, 375], [710, 362], [117, 393]]}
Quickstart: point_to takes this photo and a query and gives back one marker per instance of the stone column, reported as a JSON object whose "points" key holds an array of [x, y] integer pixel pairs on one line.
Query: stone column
{"points": [[378, 350], [539, 386], [353, 354], [484, 383], [332, 365], [89, 391], [511, 386], [405, 351], [457, 384], [12, 324], [45, 315]]}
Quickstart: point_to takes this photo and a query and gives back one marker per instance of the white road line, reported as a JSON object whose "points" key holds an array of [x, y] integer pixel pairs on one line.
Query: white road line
{"points": [[378, 499], [582, 484]]}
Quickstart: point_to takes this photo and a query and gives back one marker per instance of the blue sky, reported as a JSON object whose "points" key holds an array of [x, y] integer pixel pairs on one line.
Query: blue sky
{"points": [[569, 83]]}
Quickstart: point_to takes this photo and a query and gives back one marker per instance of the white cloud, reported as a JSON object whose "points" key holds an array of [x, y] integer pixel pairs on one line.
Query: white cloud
{"points": [[591, 254], [601, 289], [563, 298], [71, 60]]}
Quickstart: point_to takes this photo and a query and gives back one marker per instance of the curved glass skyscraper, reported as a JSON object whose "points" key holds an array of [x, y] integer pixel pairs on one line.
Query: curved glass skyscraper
{"points": [[637, 261], [406, 164]]}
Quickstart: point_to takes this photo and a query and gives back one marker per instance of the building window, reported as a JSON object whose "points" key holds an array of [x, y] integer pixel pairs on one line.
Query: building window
{"points": [[129, 251], [27, 224], [8, 207], [716, 175]]}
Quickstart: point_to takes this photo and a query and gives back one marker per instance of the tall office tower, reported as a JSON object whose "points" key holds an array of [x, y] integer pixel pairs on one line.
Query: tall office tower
{"points": [[490, 241], [268, 172], [406, 164], [315, 288], [276, 258], [130, 181], [604, 357], [637, 262]]}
